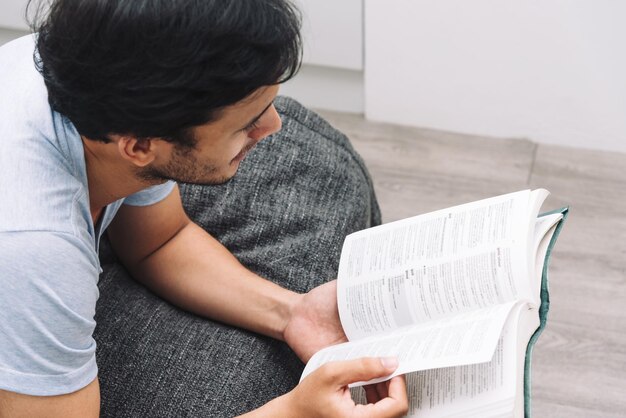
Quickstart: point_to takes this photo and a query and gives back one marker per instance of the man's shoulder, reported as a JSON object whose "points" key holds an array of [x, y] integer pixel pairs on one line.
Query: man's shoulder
{"points": [[56, 204], [25, 112], [46, 251], [42, 175], [22, 86], [14, 49], [39, 193]]}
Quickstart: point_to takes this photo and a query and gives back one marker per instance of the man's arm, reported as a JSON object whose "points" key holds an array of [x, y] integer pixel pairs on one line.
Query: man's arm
{"points": [[84, 403], [178, 260]]}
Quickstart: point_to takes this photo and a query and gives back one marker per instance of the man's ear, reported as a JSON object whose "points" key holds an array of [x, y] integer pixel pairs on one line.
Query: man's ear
{"points": [[139, 152]]}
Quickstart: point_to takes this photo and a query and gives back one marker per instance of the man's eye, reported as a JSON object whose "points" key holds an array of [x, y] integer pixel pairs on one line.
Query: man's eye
{"points": [[252, 126]]}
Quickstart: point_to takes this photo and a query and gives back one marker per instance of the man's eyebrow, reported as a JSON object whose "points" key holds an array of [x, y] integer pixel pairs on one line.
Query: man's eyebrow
{"points": [[258, 116]]}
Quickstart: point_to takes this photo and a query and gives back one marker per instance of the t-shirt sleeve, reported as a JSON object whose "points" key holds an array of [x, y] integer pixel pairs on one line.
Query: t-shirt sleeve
{"points": [[48, 294], [151, 195]]}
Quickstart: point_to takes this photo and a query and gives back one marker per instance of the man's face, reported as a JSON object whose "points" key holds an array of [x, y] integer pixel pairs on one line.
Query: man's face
{"points": [[221, 145]]}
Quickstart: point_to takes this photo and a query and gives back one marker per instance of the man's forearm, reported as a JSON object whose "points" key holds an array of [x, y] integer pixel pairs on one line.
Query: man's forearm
{"points": [[194, 271]]}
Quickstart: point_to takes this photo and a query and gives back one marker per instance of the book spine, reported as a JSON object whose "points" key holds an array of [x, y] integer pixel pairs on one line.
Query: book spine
{"points": [[543, 312]]}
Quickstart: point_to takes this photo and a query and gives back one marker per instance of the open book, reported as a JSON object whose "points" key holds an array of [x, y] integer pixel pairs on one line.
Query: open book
{"points": [[458, 295]]}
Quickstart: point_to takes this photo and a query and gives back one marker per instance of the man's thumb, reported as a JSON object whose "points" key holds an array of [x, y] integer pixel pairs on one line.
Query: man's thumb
{"points": [[363, 369]]}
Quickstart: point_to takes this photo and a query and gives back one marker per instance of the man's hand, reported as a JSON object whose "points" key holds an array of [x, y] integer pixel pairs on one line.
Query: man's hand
{"points": [[325, 393], [314, 322]]}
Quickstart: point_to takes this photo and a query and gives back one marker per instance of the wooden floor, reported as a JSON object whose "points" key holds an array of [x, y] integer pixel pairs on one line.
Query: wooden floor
{"points": [[579, 364]]}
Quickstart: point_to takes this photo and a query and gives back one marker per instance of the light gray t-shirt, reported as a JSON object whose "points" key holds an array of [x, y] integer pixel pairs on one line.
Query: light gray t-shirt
{"points": [[48, 244]]}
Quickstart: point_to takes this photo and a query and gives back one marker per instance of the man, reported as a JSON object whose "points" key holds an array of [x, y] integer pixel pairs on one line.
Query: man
{"points": [[122, 100]]}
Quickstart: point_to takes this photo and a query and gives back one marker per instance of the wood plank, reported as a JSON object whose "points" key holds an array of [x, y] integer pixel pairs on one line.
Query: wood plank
{"points": [[421, 170], [580, 362]]}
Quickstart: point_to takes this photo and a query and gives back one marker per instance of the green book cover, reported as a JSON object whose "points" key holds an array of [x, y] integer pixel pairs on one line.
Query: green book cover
{"points": [[543, 312]]}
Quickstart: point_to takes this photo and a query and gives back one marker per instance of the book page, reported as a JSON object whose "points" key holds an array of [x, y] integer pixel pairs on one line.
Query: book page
{"points": [[544, 230], [473, 389], [435, 265], [461, 389], [446, 342]]}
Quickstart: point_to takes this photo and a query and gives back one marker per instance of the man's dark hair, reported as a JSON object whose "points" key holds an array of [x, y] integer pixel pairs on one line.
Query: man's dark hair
{"points": [[155, 68]]}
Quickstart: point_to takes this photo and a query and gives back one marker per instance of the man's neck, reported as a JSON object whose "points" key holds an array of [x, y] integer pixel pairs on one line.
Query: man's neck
{"points": [[108, 177]]}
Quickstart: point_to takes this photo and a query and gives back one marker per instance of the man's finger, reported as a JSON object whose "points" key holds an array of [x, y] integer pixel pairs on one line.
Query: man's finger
{"points": [[396, 403], [381, 388], [343, 373], [397, 388], [371, 394]]}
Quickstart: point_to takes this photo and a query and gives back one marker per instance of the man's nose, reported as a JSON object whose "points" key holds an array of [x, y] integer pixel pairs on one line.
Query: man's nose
{"points": [[269, 124]]}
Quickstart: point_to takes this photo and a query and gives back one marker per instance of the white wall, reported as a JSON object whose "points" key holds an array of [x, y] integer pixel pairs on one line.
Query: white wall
{"points": [[12, 22], [332, 74], [12, 14], [553, 71], [333, 33]]}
